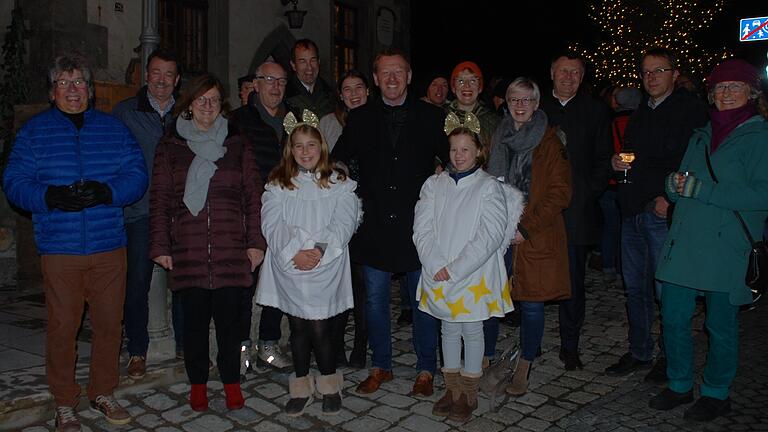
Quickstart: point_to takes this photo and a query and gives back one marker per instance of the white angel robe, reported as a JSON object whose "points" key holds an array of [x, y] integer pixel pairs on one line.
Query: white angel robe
{"points": [[465, 227], [292, 220]]}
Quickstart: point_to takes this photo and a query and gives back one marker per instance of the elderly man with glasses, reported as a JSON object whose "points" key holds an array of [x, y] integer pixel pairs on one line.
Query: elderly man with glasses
{"points": [[262, 122], [75, 168]]}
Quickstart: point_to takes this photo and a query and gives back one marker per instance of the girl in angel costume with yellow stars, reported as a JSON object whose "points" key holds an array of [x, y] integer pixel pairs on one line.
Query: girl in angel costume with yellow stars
{"points": [[465, 220], [308, 215]]}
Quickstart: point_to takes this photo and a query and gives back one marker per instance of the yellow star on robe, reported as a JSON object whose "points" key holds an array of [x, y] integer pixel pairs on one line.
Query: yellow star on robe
{"points": [[505, 294], [493, 307], [423, 300], [457, 307], [479, 290], [438, 293]]}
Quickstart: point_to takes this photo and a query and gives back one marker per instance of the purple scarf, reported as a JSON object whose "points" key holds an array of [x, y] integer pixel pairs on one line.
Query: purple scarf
{"points": [[724, 122]]}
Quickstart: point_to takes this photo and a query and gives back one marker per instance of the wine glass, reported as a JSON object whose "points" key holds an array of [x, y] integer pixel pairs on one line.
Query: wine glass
{"points": [[627, 156]]}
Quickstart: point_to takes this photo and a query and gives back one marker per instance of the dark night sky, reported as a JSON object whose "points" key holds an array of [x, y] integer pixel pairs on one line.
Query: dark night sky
{"points": [[513, 38]]}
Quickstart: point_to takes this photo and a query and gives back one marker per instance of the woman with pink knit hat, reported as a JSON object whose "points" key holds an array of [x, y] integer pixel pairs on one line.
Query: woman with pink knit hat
{"points": [[721, 196]]}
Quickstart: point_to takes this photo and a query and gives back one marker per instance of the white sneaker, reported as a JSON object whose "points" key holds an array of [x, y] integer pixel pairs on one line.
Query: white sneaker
{"points": [[269, 355], [245, 361], [66, 420]]}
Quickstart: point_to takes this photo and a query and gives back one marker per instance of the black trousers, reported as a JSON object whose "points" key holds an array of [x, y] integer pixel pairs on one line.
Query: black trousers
{"points": [[309, 336], [340, 321], [223, 305], [572, 310]]}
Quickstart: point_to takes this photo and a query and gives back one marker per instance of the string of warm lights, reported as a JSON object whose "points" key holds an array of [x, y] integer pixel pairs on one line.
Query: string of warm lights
{"points": [[632, 26]]}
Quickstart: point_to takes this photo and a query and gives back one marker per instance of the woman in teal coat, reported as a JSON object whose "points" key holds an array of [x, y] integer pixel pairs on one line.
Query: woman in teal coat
{"points": [[706, 251]]}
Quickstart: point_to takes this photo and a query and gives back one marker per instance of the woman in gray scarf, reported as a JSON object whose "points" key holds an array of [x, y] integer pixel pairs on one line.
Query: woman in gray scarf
{"points": [[529, 155], [205, 228]]}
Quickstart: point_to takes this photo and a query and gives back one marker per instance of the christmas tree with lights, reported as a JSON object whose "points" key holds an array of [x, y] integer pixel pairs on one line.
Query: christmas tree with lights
{"points": [[630, 27]]}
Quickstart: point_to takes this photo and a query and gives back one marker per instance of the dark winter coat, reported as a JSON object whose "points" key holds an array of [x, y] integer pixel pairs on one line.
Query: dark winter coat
{"points": [[659, 138], [587, 126], [391, 178], [208, 250], [321, 101], [49, 150], [147, 127], [266, 144]]}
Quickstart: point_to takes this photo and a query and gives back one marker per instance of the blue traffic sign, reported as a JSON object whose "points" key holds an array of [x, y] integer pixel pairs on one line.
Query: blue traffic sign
{"points": [[753, 29]]}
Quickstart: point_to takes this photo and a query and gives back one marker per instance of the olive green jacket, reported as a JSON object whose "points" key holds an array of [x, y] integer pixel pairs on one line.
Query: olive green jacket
{"points": [[706, 248], [489, 120]]}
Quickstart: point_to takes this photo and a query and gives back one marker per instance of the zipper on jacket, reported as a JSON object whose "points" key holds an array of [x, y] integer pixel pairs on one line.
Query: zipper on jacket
{"points": [[208, 227], [81, 180]]}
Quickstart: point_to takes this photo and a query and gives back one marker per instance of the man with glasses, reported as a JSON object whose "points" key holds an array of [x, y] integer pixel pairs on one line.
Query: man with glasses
{"points": [[262, 123], [586, 124], [75, 168], [658, 133], [306, 90], [147, 115]]}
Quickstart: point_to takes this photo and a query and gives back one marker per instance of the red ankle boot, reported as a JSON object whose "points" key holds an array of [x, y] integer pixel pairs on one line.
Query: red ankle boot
{"points": [[234, 396], [198, 397]]}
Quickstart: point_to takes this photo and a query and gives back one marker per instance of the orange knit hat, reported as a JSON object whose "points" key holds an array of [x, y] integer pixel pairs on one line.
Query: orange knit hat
{"points": [[467, 65]]}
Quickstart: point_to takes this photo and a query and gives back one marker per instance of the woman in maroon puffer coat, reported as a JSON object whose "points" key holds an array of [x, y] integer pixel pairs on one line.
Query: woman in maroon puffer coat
{"points": [[205, 228]]}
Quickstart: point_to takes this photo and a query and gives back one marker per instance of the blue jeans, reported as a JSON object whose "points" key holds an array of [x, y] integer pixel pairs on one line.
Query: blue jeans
{"points": [[139, 277], [609, 241], [425, 326], [531, 328], [642, 237]]}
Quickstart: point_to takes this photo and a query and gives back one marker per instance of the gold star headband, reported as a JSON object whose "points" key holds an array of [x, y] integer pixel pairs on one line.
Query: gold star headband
{"points": [[307, 117], [470, 122]]}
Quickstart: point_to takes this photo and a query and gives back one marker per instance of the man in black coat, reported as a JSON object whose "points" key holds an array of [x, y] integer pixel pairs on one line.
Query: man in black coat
{"points": [[395, 140], [306, 90], [262, 122], [658, 133], [586, 123]]}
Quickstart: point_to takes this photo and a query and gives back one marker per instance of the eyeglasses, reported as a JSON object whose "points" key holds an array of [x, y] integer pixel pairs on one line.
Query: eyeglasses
{"points": [[473, 82], [657, 71], [202, 101], [521, 101], [734, 87], [271, 80], [64, 83]]}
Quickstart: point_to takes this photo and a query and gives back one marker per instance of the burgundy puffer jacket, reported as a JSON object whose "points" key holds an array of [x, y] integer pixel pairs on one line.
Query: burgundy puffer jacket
{"points": [[208, 250]]}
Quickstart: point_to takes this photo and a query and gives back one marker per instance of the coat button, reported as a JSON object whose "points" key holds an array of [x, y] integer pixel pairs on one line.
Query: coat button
{"points": [[393, 216], [394, 158], [393, 188]]}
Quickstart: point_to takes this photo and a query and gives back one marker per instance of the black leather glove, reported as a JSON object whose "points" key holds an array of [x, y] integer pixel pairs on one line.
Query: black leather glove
{"points": [[93, 193], [64, 198]]}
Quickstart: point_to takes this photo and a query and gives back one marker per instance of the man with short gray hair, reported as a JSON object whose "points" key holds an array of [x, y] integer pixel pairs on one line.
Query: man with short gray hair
{"points": [[75, 168]]}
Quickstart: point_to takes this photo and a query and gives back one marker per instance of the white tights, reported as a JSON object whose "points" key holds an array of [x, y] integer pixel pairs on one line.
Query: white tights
{"points": [[474, 345]]}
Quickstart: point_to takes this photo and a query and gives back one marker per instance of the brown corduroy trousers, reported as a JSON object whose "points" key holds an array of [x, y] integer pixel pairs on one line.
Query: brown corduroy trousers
{"points": [[70, 282]]}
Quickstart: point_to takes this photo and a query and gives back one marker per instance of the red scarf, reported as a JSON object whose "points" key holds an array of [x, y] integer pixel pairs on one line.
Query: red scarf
{"points": [[724, 122]]}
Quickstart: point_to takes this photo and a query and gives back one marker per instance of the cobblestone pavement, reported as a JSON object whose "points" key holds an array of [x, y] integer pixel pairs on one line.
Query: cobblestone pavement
{"points": [[558, 400]]}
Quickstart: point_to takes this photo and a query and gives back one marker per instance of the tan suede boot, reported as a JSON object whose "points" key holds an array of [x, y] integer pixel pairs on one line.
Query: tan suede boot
{"points": [[519, 384], [462, 409], [302, 391], [452, 391], [330, 387]]}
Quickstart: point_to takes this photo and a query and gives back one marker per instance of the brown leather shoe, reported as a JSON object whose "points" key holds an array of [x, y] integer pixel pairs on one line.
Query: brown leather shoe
{"points": [[423, 384], [137, 367], [377, 377]]}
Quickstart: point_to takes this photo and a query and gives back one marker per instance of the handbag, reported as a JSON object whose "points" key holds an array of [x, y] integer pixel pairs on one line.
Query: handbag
{"points": [[757, 265], [499, 375]]}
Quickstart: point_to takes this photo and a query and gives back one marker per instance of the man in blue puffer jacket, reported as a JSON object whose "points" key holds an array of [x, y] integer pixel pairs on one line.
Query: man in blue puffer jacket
{"points": [[75, 168]]}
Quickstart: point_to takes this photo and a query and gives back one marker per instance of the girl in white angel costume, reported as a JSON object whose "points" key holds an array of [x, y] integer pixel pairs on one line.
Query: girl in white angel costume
{"points": [[309, 213], [465, 219]]}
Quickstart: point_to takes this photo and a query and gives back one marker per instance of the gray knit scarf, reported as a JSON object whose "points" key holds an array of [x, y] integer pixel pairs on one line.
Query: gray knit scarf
{"points": [[521, 144], [208, 147]]}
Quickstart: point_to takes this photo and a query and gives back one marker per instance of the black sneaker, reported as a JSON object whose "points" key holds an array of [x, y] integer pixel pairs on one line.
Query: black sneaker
{"points": [[658, 373], [669, 399], [571, 360], [626, 365], [707, 409]]}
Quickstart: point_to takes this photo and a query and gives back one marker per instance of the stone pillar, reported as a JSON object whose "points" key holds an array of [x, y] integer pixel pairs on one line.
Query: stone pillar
{"points": [[161, 342], [149, 38]]}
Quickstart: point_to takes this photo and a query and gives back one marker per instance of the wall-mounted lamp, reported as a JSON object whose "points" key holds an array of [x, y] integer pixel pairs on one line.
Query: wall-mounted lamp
{"points": [[295, 16]]}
